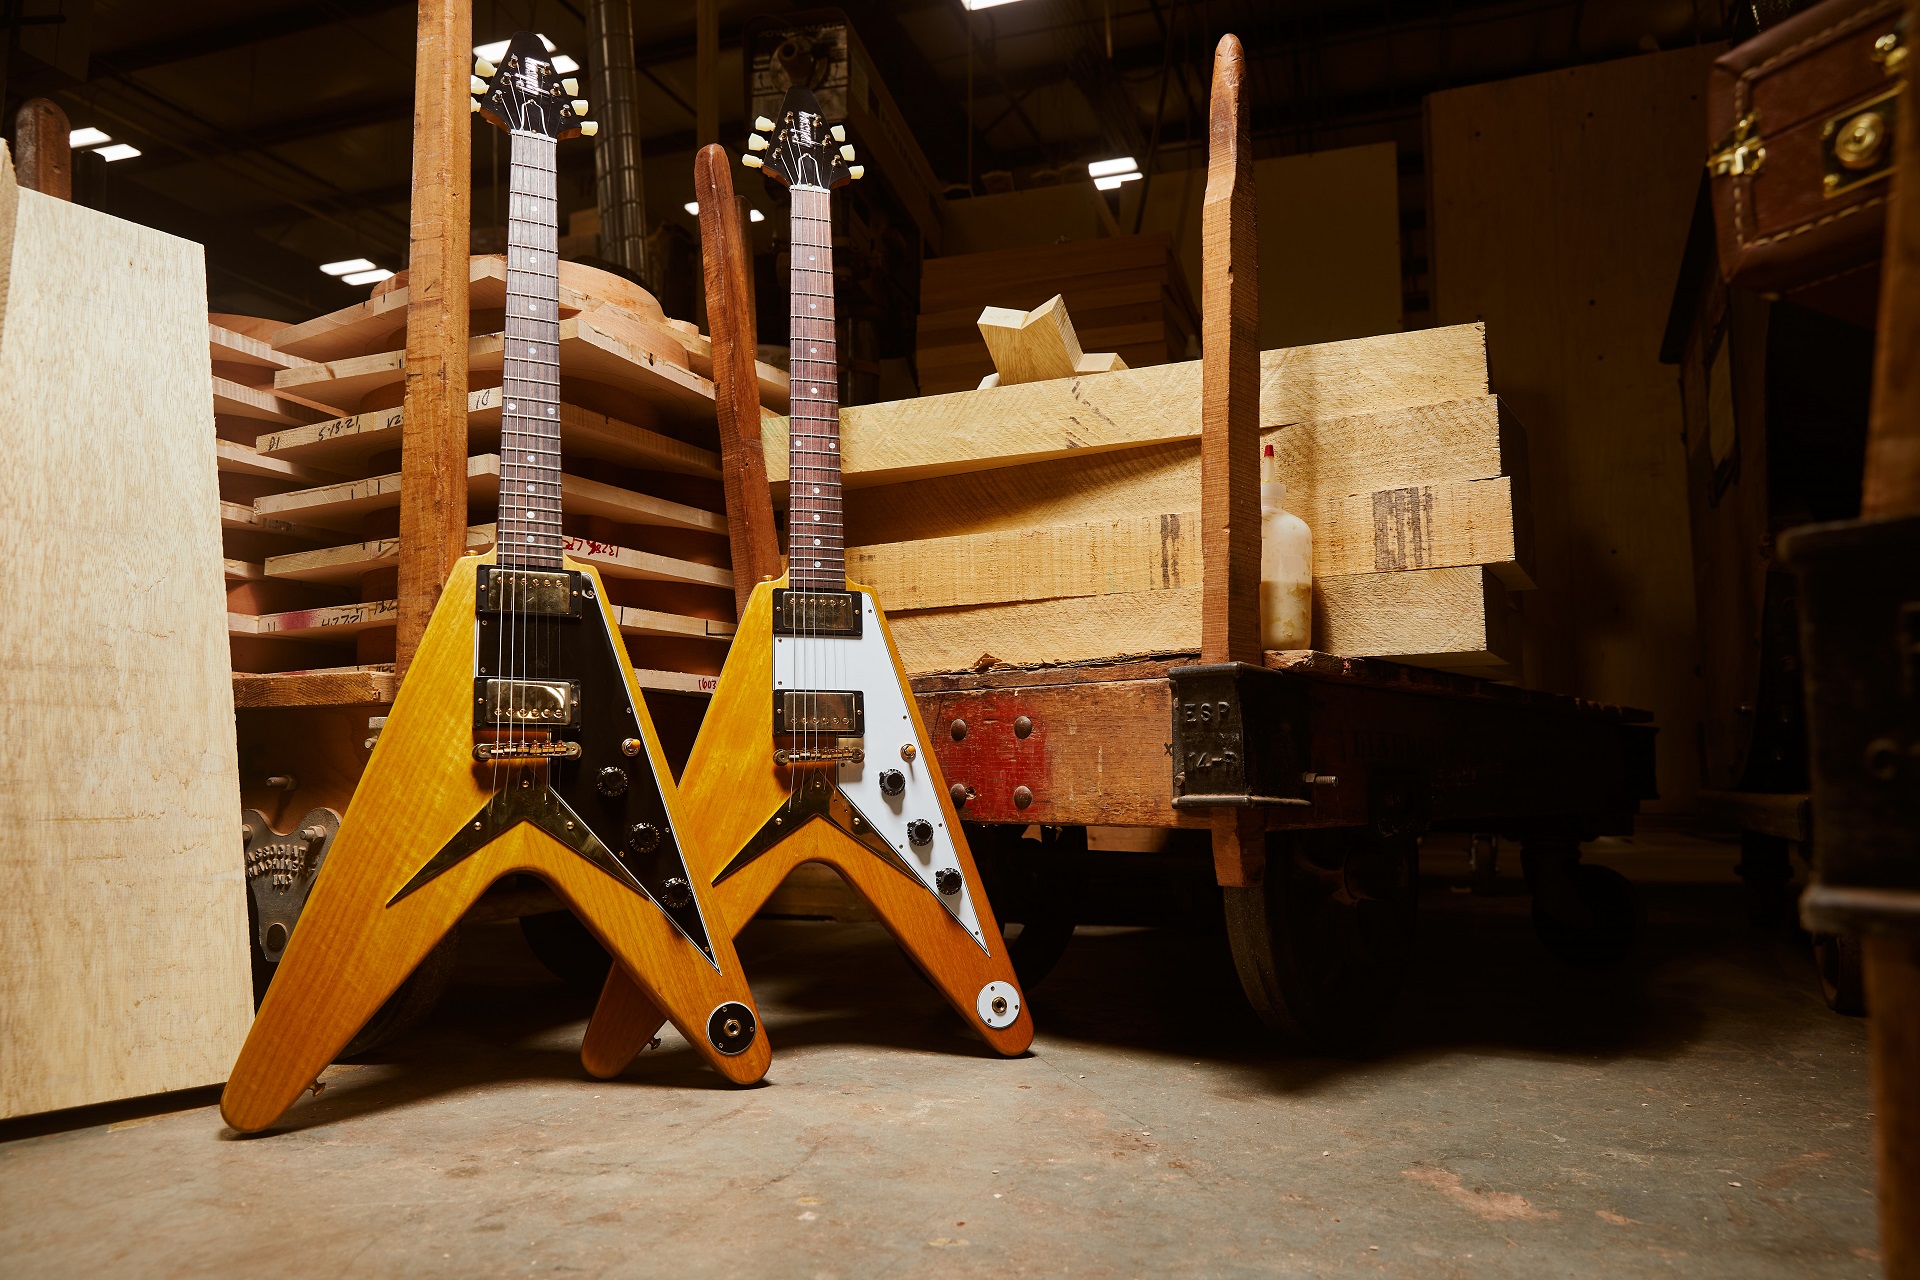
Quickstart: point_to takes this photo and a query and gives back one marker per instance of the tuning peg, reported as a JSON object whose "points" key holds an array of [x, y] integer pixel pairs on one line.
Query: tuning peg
{"points": [[476, 86], [857, 172], [839, 133], [474, 104], [579, 106], [756, 143], [481, 67], [589, 127], [751, 161], [846, 152], [763, 124], [570, 86]]}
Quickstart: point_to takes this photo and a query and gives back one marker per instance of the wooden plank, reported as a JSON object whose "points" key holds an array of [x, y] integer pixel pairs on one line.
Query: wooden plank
{"points": [[979, 430], [752, 539], [652, 622], [1031, 346], [123, 938], [242, 571], [259, 404], [231, 347], [313, 688], [343, 443], [1430, 526], [340, 506], [347, 564], [240, 459], [306, 624], [1455, 617], [675, 681], [238, 515], [1558, 213], [40, 131], [590, 348]]}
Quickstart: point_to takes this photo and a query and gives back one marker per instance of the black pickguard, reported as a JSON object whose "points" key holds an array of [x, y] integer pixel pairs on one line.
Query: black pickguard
{"points": [[582, 649]]}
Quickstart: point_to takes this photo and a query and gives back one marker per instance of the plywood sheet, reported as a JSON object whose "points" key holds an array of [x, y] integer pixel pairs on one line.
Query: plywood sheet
{"points": [[1559, 211], [123, 947]]}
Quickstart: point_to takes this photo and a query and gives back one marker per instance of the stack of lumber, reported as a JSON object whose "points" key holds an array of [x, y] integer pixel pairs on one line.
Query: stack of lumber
{"points": [[1058, 521], [1126, 293], [641, 494]]}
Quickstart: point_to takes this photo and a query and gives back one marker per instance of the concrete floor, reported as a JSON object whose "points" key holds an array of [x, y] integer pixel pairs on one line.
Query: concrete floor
{"points": [[1699, 1113]]}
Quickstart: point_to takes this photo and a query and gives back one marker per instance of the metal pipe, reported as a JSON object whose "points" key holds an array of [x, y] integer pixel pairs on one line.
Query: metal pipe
{"points": [[620, 187]]}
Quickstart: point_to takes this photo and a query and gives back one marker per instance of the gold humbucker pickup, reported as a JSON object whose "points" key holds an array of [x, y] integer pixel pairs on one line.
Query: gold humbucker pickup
{"points": [[819, 711], [816, 613], [525, 704], [553, 593]]}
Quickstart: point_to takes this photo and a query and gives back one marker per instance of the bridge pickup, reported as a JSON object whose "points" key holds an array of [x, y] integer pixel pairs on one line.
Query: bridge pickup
{"points": [[819, 711], [525, 704], [550, 593], [816, 613]]}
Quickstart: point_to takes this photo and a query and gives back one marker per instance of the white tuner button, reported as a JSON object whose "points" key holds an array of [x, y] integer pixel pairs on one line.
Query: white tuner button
{"points": [[473, 105], [476, 85], [763, 124], [752, 161], [756, 143], [589, 127], [570, 87], [839, 132], [857, 172], [846, 152], [481, 67], [579, 106]]}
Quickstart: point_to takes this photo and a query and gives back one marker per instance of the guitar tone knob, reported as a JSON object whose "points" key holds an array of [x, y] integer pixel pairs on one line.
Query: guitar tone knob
{"points": [[676, 893], [643, 837], [892, 782], [611, 781], [948, 881], [920, 831]]}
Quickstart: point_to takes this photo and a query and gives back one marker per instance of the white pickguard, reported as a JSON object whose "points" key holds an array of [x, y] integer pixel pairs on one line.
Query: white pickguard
{"points": [[866, 663]]}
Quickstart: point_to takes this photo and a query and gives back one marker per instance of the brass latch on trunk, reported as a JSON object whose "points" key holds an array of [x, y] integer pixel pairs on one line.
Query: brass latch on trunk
{"points": [[1742, 152]]}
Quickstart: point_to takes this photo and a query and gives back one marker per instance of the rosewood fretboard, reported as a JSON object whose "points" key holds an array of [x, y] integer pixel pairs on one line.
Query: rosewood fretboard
{"points": [[816, 542], [529, 516]]}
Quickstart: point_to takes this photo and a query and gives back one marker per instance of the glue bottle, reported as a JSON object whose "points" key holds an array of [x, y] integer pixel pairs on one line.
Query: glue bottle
{"points": [[1286, 565]]}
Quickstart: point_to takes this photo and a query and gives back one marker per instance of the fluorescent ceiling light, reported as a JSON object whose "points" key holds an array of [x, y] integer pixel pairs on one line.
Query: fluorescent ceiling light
{"points": [[87, 137], [346, 266], [982, 4], [1107, 168], [564, 65], [374, 276], [1108, 184], [753, 215], [118, 151], [498, 50]]}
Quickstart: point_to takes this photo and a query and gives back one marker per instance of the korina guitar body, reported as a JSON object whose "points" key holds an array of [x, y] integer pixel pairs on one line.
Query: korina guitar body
{"points": [[518, 742], [813, 749]]}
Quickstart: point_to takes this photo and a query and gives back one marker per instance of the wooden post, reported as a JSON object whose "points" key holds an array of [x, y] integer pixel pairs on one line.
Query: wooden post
{"points": [[42, 159], [1230, 427], [433, 436], [706, 83], [1891, 490], [743, 467]]}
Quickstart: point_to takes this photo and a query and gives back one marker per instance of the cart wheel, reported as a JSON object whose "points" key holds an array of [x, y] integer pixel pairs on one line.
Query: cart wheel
{"points": [[568, 949], [1031, 885], [1321, 945], [1766, 867], [412, 1002], [1594, 923], [1841, 981]]}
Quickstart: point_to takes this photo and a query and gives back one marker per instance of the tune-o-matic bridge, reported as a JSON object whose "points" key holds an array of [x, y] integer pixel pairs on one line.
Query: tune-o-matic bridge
{"points": [[816, 613], [819, 711]]}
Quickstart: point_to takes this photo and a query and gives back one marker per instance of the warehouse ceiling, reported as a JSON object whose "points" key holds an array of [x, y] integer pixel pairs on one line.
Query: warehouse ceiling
{"points": [[279, 134]]}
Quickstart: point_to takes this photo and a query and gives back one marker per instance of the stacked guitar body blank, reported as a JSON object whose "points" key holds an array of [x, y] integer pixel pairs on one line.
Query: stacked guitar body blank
{"points": [[519, 741]]}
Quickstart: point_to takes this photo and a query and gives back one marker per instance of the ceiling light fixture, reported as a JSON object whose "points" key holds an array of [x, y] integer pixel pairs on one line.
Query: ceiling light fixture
{"points": [[1108, 168], [1108, 184], [86, 137], [346, 266], [983, 4], [118, 151], [374, 276]]}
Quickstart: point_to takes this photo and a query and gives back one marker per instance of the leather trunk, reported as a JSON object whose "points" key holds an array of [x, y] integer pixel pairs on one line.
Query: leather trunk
{"points": [[1801, 121]]}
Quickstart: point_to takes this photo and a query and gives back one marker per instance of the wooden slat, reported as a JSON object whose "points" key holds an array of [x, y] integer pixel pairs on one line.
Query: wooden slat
{"points": [[651, 622], [307, 624], [588, 349], [240, 459], [340, 506], [979, 430], [240, 348], [242, 571], [238, 515], [242, 401], [343, 443], [346, 564], [314, 688]]}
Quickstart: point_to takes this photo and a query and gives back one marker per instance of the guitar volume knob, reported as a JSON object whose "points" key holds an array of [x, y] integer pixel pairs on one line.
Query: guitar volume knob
{"points": [[611, 781], [892, 782], [643, 837], [920, 831], [948, 881]]}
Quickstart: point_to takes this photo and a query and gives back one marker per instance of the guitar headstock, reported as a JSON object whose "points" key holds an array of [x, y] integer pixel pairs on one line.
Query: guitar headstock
{"points": [[525, 92], [801, 149]]}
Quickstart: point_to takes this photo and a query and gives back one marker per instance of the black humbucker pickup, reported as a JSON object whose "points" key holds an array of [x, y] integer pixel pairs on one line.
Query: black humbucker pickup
{"points": [[819, 711], [816, 613], [547, 593]]}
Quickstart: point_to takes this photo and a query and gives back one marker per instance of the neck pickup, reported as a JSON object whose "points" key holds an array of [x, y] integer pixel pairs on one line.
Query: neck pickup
{"points": [[816, 613]]}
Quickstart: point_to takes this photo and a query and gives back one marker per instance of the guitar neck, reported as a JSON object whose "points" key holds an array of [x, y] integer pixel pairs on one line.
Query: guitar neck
{"points": [[529, 518], [816, 541]]}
